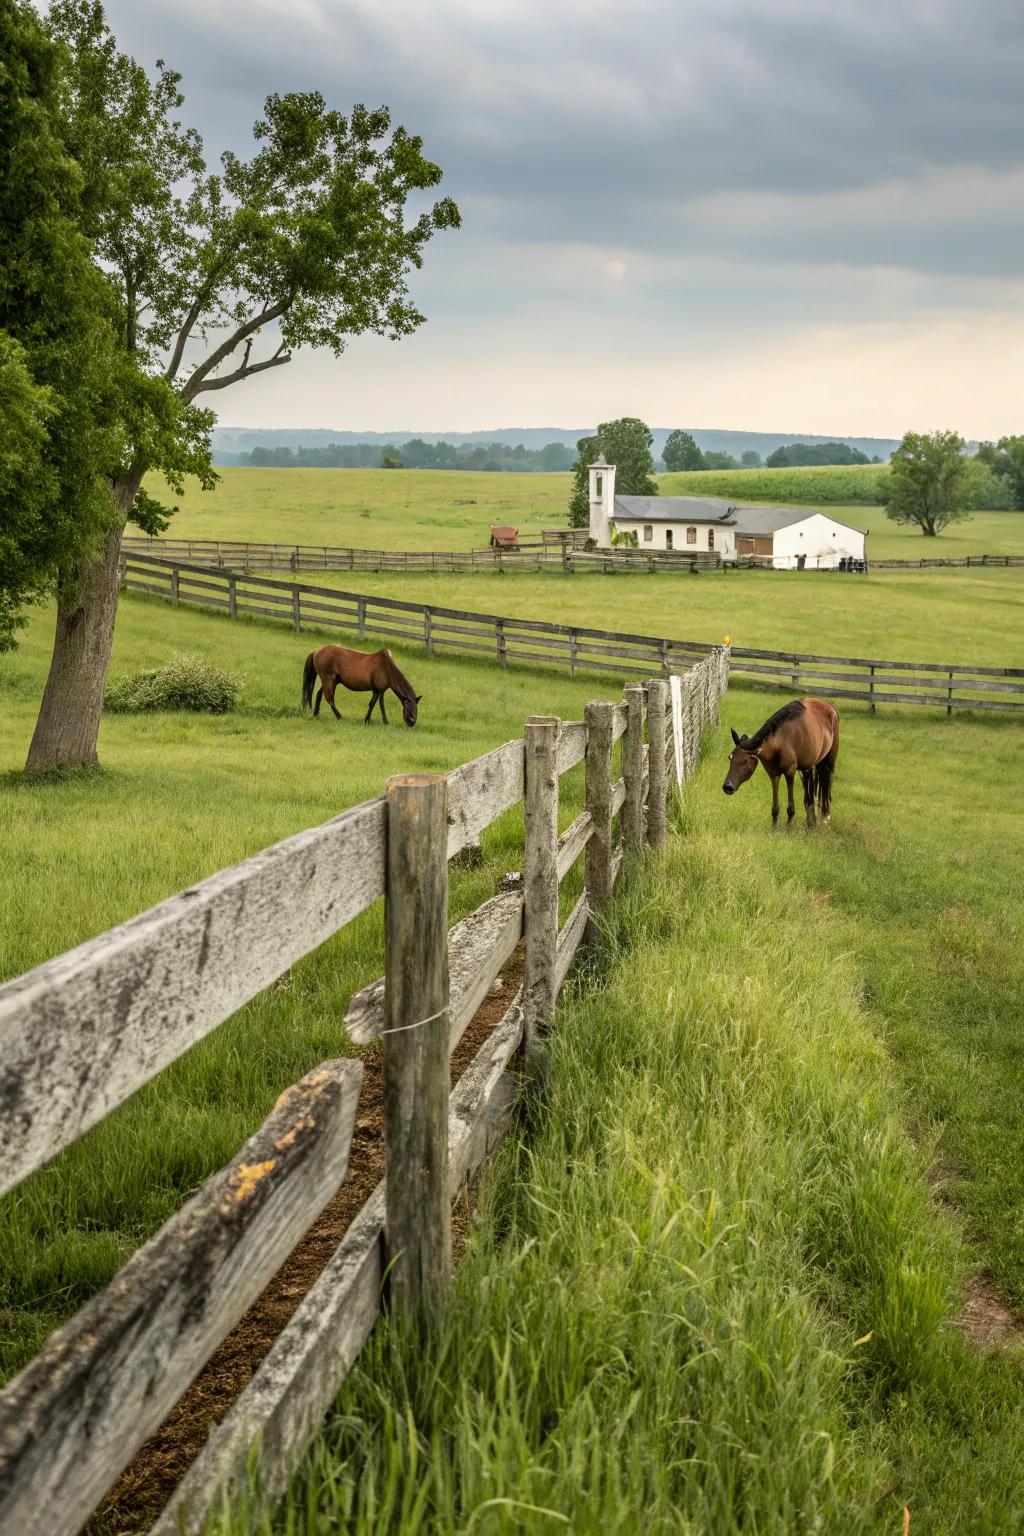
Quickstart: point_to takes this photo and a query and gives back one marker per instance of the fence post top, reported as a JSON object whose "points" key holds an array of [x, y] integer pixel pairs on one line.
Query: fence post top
{"points": [[402, 781], [542, 722]]}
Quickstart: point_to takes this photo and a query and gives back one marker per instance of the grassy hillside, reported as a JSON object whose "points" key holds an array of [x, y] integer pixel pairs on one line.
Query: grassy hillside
{"points": [[709, 1289], [439, 509]]}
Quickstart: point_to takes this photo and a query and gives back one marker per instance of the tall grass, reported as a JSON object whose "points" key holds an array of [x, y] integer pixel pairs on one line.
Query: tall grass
{"points": [[707, 1286]]}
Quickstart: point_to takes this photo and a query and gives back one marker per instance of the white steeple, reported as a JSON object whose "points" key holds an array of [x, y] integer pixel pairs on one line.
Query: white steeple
{"points": [[602, 501]]}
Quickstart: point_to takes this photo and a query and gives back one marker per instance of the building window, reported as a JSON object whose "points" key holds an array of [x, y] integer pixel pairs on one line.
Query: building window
{"points": [[668, 538], [691, 535], [598, 487], [648, 532], [711, 538]]}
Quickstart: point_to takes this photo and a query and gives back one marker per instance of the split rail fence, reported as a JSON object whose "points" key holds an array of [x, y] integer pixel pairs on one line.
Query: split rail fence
{"points": [[501, 638], [540, 556], [84, 1031], [870, 680]]}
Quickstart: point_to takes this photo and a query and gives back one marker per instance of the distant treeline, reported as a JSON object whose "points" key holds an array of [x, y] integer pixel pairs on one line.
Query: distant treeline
{"points": [[415, 454], [796, 455]]}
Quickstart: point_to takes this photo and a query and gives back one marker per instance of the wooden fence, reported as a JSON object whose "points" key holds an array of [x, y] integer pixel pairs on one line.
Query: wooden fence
{"points": [[501, 638], [547, 555], [84, 1031], [874, 681], [870, 679]]}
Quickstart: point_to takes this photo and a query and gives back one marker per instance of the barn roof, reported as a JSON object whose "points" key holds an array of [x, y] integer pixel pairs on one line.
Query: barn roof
{"points": [[673, 509], [767, 519]]}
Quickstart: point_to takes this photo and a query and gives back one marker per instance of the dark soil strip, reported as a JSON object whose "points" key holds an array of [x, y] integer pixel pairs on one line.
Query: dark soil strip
{"points": [[148, 1482]]}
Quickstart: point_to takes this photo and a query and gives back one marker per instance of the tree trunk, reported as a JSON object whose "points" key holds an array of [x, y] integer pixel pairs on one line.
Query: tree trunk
{"points": [[68, 726]]}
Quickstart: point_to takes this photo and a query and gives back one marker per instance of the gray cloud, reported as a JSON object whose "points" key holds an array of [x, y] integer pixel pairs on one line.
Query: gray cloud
{"points": [[705, 166]]}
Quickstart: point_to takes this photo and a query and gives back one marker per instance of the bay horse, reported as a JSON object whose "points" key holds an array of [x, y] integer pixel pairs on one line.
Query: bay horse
{"points": [[360, 672], [802, 736]]}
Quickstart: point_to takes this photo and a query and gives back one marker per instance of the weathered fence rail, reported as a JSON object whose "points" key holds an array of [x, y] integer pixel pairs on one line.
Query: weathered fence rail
{"points": [[501, 637], [82, 1032], [874, 681], [871, 680], [548, 554]]}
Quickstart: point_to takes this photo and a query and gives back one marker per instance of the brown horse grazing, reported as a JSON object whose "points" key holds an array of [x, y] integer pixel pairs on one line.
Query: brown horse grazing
{"points": [[804, 736], [360, 672]]}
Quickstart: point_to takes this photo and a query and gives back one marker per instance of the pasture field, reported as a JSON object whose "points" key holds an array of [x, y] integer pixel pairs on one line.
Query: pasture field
{"points": [[732, 1310], [710, 1289], [453, 509], [179, 797], [956, 616]]}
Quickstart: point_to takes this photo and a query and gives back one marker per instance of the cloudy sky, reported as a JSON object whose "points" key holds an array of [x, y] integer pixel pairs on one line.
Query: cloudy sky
{"points": [[774, 214]]}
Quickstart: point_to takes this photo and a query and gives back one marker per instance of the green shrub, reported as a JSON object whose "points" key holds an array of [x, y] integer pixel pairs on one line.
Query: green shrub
{"points": [[187, 682]]}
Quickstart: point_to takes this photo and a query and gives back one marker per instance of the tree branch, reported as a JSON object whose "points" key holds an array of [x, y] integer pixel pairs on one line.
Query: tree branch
{"points": [[245, 371], [197, 380]]}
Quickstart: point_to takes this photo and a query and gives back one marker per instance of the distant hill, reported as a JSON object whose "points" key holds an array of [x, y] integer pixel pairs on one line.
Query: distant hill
{"points": [[230, 443]]}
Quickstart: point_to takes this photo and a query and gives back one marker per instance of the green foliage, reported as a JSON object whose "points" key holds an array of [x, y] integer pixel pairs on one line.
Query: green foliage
{"points": [[984, 489], [416, 454], [795, 454], [1006, 461], [63, 403], [750, 459], [188, 682], [625, 538], [681, 453], [718, 459], [626, 443], [925, 485]]}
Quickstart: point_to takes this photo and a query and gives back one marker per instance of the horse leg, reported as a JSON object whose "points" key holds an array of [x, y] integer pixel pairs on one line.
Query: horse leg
{"points": [[319, 698], [807, 774], [373, 699], [330, 684], [380, 705], [775, 801], [790, 807]]}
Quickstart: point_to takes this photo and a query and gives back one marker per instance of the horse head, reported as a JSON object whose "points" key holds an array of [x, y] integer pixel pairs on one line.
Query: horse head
{"points": [[743, 761], [409, 708]]}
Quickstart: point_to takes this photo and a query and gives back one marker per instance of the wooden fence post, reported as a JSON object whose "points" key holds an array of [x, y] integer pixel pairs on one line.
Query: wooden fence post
{"points": [[633, 769], [540, 876], [499, 635], [362, 618], [657, 786], [428, 631], [949, 695], [871, 689], [232, 596], [598, 773], [175, 574], [418, 1237], [297, 610]]}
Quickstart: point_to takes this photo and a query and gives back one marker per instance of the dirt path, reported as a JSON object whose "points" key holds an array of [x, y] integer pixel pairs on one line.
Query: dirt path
{"points": [[148, 1482]]}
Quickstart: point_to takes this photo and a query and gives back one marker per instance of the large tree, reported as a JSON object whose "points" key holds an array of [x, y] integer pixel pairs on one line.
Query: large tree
{"points": [[305, 241], [926, 479], [61, 422], [1006, 459], [626, 443], [681, 452]]}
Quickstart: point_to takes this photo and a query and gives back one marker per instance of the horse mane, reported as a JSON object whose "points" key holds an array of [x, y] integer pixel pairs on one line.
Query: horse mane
{"points": [[787, 712], [400, 684]]}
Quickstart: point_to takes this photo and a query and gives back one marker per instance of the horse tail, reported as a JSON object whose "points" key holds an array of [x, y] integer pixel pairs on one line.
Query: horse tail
{"points": [[823, 784], [308, 681], [824, 771]]}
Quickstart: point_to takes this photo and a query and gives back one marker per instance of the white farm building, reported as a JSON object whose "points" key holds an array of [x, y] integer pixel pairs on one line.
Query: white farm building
{"points": [[791, 538]]}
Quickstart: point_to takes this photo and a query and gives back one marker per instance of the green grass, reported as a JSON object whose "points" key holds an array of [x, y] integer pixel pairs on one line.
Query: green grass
{"points": [[835, 485], [708, 1288], [181, 796], [954, 615], [442, 509]]}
